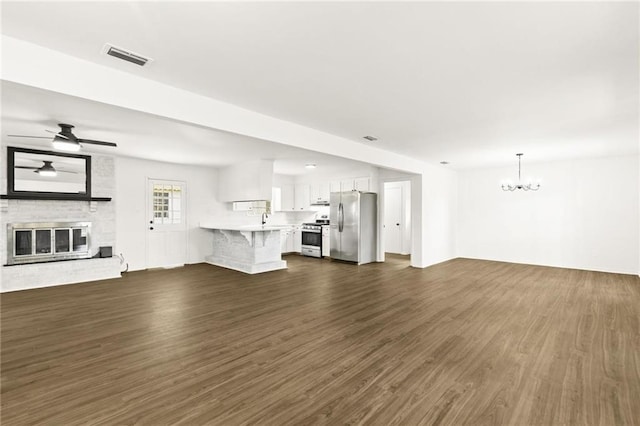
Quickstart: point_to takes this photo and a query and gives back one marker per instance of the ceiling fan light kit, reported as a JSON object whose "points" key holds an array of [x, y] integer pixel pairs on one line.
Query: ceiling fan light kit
{"points": [[47, 170], [508, 186], [65, 144]]}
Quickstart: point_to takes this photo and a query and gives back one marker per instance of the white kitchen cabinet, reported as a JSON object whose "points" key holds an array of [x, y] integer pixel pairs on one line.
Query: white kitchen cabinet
{"points": [[291, 240], [334, 186], [276, 199], [347, 185], [286, 243], [297, 239], [324, 191], [287, 198], [319, 193], [314, 193], [292, 198], [326, 239], [361, 184], [355, 184], [301, 198]]}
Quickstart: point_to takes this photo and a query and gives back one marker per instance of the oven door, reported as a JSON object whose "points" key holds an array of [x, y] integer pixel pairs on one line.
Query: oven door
{"points": [[312, 243], [312, 238]]}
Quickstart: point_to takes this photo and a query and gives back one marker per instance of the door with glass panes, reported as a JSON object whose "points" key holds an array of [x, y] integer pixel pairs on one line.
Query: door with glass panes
{"points": [[166, 224]]}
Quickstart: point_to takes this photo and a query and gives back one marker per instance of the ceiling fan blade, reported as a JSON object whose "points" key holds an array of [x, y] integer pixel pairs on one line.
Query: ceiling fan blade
{"points": [[26, 167], [97, 142], [66, 171], [25, 136], [57, 133]]}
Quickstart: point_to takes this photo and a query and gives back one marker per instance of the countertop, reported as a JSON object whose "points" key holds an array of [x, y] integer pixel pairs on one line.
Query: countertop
{"points": [[245, 228]]}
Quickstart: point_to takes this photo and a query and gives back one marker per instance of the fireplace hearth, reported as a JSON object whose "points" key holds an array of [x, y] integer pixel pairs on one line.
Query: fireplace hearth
{"points": [[36, 242]]}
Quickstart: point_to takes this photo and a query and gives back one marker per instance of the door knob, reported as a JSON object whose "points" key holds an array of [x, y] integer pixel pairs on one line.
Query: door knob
{"points": [[151, 227], [397, 224]]}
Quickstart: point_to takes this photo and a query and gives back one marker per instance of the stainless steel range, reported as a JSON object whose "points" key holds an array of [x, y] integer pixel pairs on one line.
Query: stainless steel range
{"points": [[312, 238]]}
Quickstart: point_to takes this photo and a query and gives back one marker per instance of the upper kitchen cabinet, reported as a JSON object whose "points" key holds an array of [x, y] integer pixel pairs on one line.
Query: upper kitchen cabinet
{"points": [[276, 199], [292, 198], [301, 198], [361, 184], [353, 184], [319, 193], [246, 181], [287, 197]]}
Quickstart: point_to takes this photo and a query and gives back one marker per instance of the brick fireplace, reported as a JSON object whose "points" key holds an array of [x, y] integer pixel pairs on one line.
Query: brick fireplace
{"points": [[52, 232]]}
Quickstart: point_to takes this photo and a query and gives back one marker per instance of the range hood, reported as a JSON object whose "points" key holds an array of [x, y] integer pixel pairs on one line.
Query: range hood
{"points": [[320, 203]]}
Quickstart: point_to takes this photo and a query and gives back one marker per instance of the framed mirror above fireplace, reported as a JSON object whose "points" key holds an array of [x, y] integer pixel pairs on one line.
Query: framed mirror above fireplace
{"points": [[49, 175]]}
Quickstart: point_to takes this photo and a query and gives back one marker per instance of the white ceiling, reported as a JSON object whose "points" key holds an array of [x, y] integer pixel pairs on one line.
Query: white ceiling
{"points": [[31, 111], [470, 83]]}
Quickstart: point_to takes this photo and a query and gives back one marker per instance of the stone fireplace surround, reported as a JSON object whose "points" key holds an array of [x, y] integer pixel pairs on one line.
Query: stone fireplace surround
{"points": [[101, 214]]}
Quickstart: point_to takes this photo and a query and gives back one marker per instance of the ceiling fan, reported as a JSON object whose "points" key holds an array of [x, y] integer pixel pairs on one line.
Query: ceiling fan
{"points": [[46, 169], [65, 140]]}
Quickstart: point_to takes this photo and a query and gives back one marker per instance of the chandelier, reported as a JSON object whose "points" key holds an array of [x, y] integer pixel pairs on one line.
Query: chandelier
{"points": [[527, 187]]}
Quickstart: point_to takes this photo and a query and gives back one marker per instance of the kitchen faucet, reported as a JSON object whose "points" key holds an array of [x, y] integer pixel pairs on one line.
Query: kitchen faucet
{"points": [[264, 217]]}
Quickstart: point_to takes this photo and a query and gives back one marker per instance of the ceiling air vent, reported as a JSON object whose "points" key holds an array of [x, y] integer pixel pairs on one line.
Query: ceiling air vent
{"points": [[125, 55]]}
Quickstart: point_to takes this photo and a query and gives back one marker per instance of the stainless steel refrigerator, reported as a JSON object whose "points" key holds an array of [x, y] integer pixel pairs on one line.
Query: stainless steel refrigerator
{"points": [[353, 224]]}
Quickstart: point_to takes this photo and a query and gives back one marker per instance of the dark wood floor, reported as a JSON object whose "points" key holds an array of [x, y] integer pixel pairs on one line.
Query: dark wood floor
{"points": [[464, 342]]}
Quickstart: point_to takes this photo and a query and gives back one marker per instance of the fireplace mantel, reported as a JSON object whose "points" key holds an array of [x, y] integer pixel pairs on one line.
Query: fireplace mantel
{"points": [[57, 197]]}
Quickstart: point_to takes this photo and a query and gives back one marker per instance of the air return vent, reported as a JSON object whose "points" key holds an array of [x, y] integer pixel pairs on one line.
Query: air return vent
{"points": [[125, 55]]}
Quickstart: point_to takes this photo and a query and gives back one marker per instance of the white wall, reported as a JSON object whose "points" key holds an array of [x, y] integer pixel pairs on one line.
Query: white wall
{"points": [[434, 204], [248, 181], [133, 220], [585, 216]]}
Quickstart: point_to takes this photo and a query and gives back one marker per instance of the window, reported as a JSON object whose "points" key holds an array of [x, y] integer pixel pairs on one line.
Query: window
{"points": [[167, 204]]}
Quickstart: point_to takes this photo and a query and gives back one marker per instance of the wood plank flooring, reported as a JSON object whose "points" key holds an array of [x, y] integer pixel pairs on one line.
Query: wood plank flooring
{"points": [[464, 342]]}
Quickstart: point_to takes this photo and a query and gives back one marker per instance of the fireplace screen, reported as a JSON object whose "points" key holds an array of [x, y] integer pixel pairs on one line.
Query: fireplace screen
{"points": [[23, 242], [46, 242], [62, 240], [43, 241]]}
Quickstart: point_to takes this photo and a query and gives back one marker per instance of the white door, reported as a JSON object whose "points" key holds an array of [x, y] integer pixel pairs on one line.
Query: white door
{"points": [[166, 227], [393, 226]]}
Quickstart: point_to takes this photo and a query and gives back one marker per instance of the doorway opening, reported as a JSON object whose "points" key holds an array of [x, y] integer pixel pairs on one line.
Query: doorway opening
{"points": [[396, 229]]}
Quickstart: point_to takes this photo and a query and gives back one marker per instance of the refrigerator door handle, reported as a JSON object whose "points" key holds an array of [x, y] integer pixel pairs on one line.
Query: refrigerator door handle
{"points": [[340, 217]]}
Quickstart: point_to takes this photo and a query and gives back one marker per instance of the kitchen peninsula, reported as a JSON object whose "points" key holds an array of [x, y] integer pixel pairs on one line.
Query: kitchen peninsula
{"points": [[246, 248]]}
